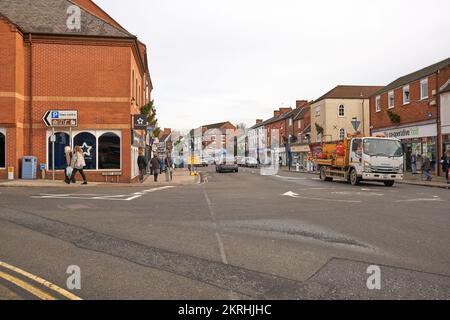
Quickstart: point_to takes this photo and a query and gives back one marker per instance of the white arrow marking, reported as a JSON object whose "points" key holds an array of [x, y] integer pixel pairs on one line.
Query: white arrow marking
{"points": [[420, 200], [297, 196]]}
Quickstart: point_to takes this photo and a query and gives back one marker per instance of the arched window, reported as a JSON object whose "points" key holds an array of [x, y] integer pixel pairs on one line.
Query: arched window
{"points": [[62, 141], [342, 134], [2, 150], [88, 143], [341, 110], [109, 152]]}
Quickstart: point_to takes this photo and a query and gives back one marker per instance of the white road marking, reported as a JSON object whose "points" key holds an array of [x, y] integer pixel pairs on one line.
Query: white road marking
{"points": [[297, 196], [218, 237], [422, 200], [289, 178], [121, 197]]}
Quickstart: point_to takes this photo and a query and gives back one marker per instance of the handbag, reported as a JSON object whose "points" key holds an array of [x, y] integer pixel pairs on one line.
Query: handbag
{"points": [[69, 171]]}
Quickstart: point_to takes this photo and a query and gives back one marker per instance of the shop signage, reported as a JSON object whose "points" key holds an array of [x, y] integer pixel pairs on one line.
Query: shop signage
{"points": [[410, 132], [297, 149], [61, 118], [140, 122]]}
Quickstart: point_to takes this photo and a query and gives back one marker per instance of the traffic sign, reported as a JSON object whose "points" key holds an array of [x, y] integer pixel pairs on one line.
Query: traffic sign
{"points": [[356, 124], [61, 118]]}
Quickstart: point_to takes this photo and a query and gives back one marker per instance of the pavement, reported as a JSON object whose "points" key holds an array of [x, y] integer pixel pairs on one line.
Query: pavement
{"points": [[238, 236], [180, 177]]}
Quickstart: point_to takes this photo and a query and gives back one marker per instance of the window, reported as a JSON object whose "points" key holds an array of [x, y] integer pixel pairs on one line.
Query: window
{"points": [[88, 143], [342, 134], [318, 112], [406, 97], [391, 99], [132, 85], [424, 89], [109, 152], [2, 150], [290, 122], [341, 111], [300, 124], [62, 141], [378, 104]]}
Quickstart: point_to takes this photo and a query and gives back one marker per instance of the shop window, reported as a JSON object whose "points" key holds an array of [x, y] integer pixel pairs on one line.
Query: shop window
{"points": [[62, 141], [2, 150], [88, 143], [406, 98], [109, 152]]}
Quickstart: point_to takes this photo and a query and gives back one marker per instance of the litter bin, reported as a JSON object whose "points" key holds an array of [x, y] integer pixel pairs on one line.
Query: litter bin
{"points": [[29, 168], [10, 173]]}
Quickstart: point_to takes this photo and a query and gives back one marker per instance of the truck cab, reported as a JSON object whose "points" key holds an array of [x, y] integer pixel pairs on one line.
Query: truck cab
{"points": [[375, 159], [359, 159]]}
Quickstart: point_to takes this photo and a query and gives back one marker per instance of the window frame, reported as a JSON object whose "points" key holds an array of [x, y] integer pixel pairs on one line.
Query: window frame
{"points": [[406, 88], [97, 134], [341, 107], [391, 94], [422, 81], [378, 104], [342, 135], [98, 149], [318, 111]]}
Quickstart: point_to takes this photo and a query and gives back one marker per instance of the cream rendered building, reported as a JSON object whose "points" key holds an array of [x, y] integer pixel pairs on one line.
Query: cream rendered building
{"points": [[335, 111]]}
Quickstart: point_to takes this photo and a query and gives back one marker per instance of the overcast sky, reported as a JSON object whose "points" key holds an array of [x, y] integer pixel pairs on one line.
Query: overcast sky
{"points": [[237, 60]]}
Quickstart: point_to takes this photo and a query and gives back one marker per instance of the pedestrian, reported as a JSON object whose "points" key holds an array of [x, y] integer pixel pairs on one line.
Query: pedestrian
{"points": [[156, 167], [169, 166], [142, 164], [426, 167], [280, 160], [162, 165], [414, 163], [78, 163], [446, 165], [68, 172]]}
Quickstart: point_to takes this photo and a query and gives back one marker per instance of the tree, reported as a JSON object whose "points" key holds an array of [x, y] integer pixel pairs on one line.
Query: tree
{"points": [[241, 125]]}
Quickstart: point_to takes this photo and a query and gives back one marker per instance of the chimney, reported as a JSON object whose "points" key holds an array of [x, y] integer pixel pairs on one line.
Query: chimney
{"points": [[259, 121], [276, 113], [285, 110], [301, 103]]}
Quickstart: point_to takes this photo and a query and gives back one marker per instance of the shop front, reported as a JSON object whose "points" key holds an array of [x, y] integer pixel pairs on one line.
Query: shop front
{"points": [[420, 139], [300, 155]]}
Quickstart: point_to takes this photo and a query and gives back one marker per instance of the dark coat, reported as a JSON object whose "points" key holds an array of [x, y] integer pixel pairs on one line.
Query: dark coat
{"points": [[142, 162], [426, 164], [155, 165], [446, 162]]}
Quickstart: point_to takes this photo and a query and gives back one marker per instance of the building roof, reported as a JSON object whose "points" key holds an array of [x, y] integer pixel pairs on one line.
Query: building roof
{"points": [[50, 17], [350, 92], [215, 125], [446, 87], [417, 75], [302, 111]]}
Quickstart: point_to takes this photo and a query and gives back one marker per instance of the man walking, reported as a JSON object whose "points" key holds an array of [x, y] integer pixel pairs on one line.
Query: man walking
{"points": [[169, 167], [156, 167], [426, 167], [446, 164], [142, 164]]}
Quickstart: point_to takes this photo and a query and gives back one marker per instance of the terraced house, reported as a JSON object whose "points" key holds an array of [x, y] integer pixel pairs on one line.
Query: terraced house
{"points": [[70, 55], [415, 108]]}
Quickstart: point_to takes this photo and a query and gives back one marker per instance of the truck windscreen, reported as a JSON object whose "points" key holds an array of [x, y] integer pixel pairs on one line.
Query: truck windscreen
{"points": [[382, 148]]}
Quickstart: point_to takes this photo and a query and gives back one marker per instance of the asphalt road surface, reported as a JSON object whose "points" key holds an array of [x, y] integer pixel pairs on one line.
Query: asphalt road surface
{"points": [[238, 236]]}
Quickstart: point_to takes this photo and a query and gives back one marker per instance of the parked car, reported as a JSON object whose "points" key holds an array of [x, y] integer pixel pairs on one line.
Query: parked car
{"points": [[251, 162], [227, 164], [241, 161]]}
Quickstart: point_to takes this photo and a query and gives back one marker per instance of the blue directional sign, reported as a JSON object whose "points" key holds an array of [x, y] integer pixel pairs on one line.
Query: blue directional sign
{"points": [[356, 124]]}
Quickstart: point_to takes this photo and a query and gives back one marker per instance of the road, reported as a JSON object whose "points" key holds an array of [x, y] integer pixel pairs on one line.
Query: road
{"points": [[238, 236]]}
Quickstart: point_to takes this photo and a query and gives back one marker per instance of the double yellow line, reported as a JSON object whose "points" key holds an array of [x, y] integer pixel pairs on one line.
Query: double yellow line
{"points": [[32, 289]]}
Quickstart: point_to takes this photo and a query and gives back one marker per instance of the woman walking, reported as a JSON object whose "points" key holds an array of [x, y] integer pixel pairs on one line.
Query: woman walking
{"points": [[78, 165], [156, 166]]}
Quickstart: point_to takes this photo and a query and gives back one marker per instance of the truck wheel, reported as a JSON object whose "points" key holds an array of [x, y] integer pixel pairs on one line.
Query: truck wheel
{"points": [[389, 183], [323, 175], [354, 179]]}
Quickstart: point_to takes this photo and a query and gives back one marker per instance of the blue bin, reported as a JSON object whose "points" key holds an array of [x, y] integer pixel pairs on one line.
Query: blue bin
{"points": [[29, 168]]}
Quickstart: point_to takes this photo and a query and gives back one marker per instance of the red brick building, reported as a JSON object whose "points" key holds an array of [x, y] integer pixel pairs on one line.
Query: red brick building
{"points": [[408, 109], [48, 62]]}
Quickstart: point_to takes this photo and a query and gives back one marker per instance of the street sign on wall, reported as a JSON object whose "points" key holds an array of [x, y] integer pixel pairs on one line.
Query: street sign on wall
{"points": [[61, 118]]}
